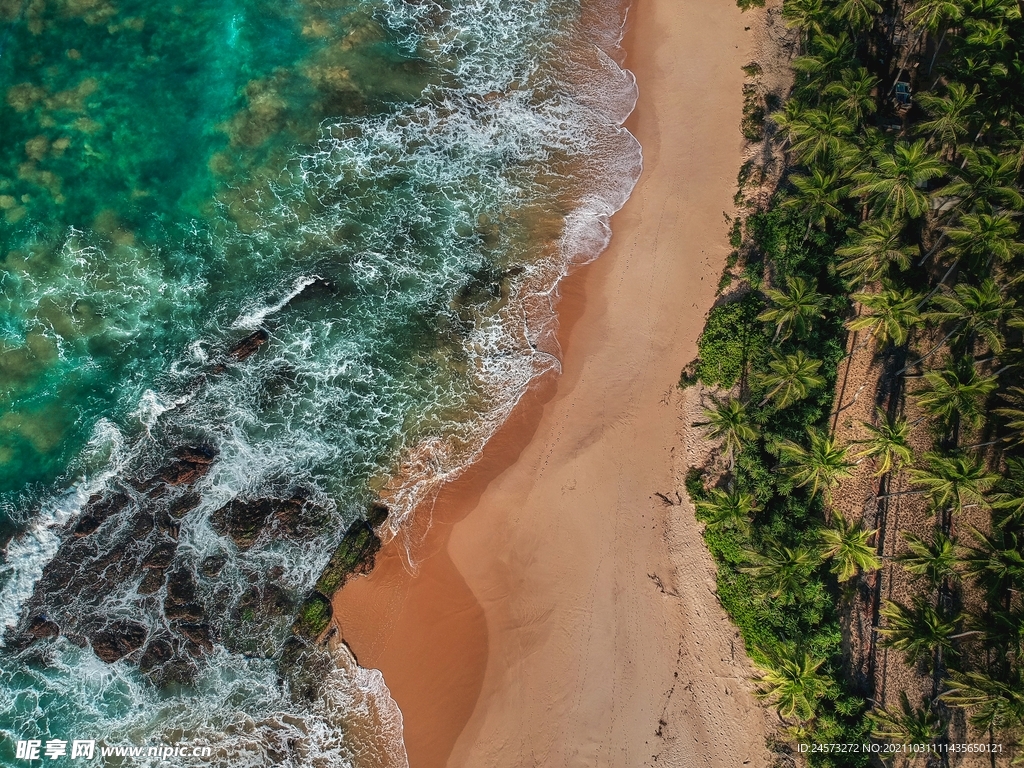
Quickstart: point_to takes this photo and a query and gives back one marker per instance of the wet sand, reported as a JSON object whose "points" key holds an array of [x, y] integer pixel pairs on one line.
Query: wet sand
{"points": [[562, 613]]}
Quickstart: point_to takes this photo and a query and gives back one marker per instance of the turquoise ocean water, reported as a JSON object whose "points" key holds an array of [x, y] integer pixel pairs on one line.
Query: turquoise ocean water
{"points": [[390, 191]]}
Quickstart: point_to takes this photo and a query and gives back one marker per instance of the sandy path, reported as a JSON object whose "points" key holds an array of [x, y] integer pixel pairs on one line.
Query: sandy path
{"points": [[536, 633]]}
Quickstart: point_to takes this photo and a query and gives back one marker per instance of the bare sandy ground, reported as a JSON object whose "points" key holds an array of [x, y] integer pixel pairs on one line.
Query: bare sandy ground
{"points": [[563, 614]]}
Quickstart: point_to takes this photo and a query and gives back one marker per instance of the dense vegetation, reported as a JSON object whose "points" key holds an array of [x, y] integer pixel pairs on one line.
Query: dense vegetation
{"points": [[898, 220]]}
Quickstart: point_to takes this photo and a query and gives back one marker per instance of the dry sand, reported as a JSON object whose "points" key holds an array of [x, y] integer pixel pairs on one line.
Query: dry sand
{"points": [[563, 614]]}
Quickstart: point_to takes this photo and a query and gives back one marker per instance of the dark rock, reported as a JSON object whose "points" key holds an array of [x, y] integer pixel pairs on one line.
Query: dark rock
{"points": [[377, 514], [355, 554], [142, 525], [160, 556], [167, 524], [158, 652], [42, 628], [183, 504], [199, 633], [183, 472], [248, 346], [288, 514], [180, 670], [118, 639], [151, 582], [196, 454], [182, 596], [97, 510], [243, 520], [304, 666], [212, 565]]}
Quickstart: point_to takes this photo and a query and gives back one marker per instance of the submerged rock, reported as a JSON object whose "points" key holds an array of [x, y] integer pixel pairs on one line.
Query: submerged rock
{"points": [[248, 346]]}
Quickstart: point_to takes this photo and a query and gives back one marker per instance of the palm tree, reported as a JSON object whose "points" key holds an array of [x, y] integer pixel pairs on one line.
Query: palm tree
{"points": [[873, 248], [956, 392], [996, 704], [952, 482], [784, 570], [937, 561], [935, 14], [918, 631], [795, 308], [807, 15], [977, 310], [951, 115], [854, 88], [1004, 630], [791, 378], [820, 135], [996, 563], [817, 197], [987, 35], [859, 14], [847, 544], [888, 443], [891, 314], [794, 685], [908, 725], [1014, 415], [729, 422], [728, 509], [894, 183], [980, 236], [830, 54], [821, 466], [989, 181]]}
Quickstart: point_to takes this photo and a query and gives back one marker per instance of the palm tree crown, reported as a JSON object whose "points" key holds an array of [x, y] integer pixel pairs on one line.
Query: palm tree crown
{"points": [[795, 308], [956, 391], [891, 314], [791, 378], [794, 685], [847, 544], [894, 183], [888, 443], [821, 465], [952, 482], [918, 630], [873, 249], [728, 509], [978, 310], [937, 561], [729, 422]]}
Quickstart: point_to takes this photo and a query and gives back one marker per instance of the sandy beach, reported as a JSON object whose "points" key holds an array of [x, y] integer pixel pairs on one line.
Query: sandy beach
{"points": [[563, 613]]}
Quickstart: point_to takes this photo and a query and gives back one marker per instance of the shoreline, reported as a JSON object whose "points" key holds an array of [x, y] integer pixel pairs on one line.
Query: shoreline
{"points": [[556, 610]]}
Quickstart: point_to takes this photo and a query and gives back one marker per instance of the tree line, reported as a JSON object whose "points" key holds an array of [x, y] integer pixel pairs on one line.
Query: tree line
{"points": [[897, 219]]}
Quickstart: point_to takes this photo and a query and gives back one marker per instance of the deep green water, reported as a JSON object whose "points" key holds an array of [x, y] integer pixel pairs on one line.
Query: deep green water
{"points": [[174, 177]]}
